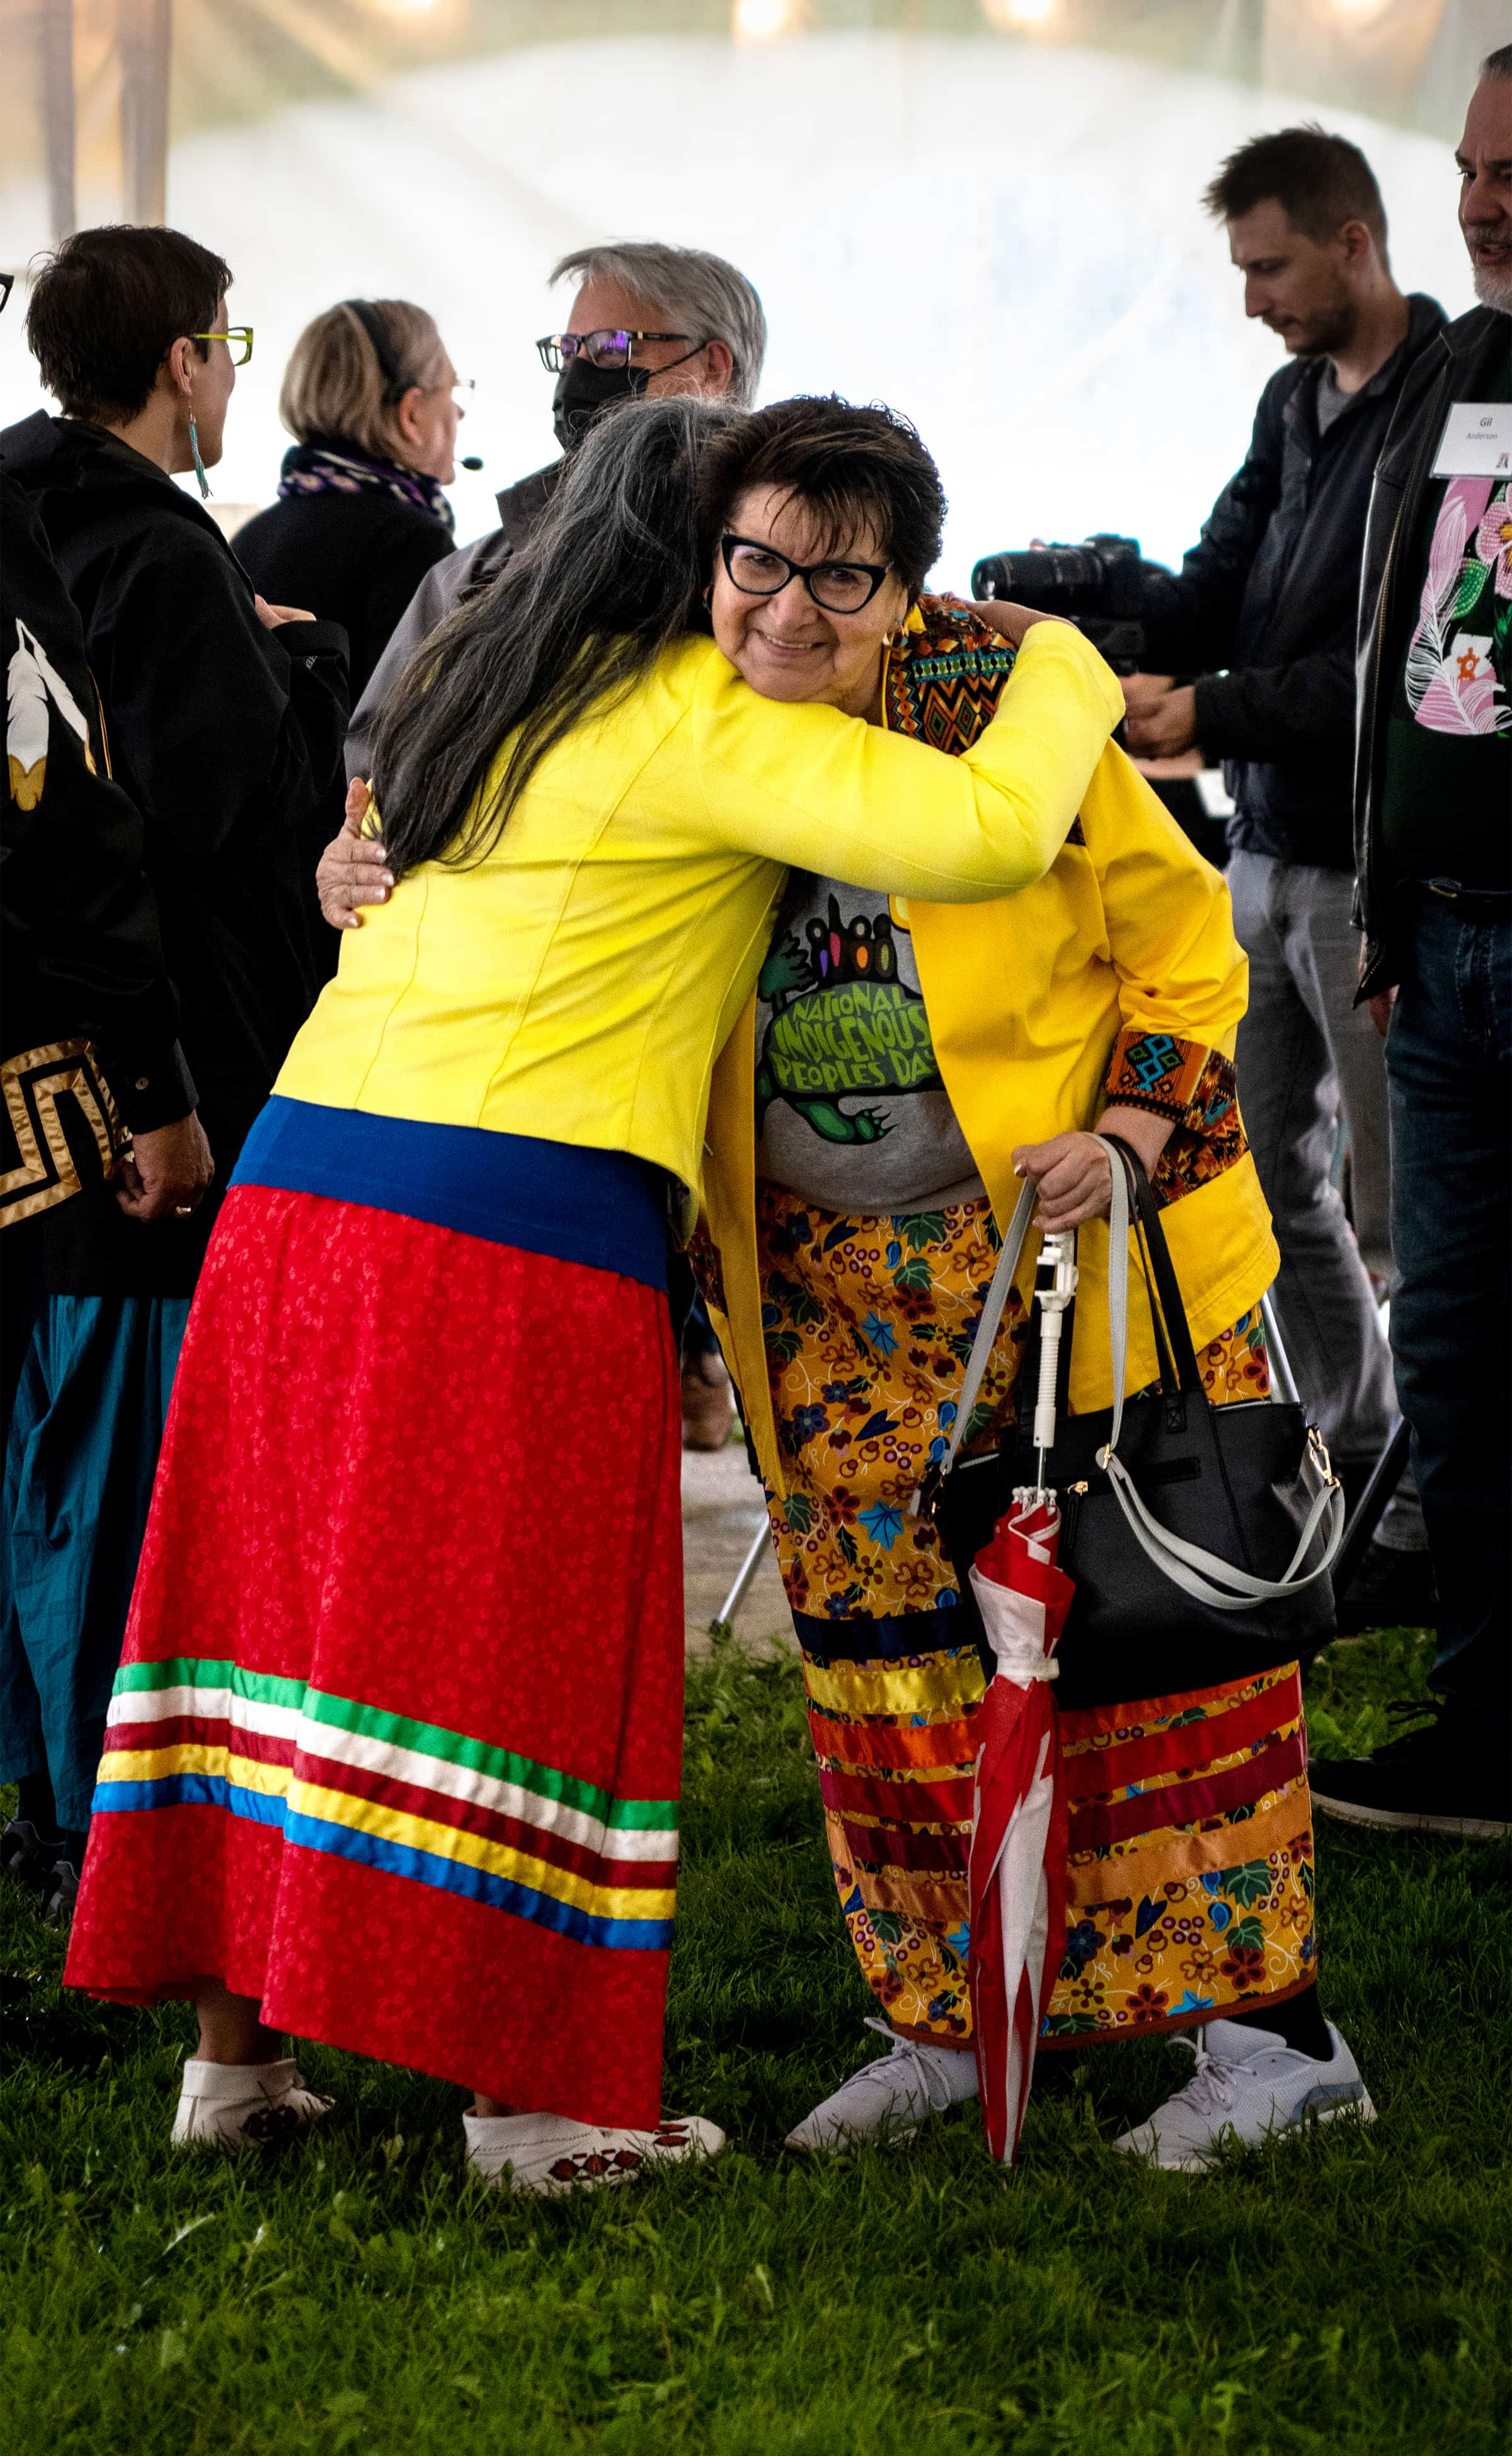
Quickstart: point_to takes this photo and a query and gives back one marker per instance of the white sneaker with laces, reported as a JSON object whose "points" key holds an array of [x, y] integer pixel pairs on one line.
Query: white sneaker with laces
{"points": [[244, 2106], [889, 2100], [555, 2153], [1249, 2087]]}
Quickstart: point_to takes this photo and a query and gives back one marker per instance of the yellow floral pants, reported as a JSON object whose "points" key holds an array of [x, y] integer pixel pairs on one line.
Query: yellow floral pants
{"points": [[868, 1324]]}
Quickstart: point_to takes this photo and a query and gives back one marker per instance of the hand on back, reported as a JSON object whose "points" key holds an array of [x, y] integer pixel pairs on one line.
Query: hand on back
{"points": [[353, 868]]}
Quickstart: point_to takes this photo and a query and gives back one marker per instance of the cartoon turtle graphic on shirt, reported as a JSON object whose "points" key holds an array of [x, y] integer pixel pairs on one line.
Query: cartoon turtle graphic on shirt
{"points": [[841, 1024]]}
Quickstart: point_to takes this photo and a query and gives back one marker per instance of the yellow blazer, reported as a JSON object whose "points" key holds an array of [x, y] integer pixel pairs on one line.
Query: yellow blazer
{"points": [[578, 984], [1030, 999]]}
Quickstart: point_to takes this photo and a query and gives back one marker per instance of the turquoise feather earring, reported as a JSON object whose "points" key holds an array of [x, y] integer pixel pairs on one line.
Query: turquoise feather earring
{"points": [[199, 466]]}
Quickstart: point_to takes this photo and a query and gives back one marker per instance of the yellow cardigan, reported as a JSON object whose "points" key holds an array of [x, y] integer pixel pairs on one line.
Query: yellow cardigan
{"points": [[578, 983], [1028, 997]]}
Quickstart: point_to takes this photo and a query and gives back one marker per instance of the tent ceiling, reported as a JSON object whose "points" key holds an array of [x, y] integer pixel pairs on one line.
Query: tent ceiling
{"points": [[1405, 61]]}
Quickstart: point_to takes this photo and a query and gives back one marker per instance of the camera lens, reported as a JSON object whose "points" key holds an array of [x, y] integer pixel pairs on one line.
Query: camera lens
{"points": [[1055, 578]]}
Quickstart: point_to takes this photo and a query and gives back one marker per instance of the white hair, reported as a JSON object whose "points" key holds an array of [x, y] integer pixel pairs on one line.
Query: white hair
{"points": [[699, 292]]}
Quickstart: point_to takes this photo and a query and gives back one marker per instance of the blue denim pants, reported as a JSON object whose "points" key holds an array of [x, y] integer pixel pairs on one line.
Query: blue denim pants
{"points": [[1449, 1061]]}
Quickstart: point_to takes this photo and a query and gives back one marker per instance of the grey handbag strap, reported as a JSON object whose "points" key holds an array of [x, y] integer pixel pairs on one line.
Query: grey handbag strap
{"points": [[976, 1364], [1211, 1580]]}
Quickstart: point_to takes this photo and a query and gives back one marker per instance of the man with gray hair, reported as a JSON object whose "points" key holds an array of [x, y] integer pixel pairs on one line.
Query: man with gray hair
{"points": [[646, 319]]}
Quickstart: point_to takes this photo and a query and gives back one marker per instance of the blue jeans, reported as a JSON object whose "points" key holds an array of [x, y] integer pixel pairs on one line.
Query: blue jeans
{"points": [[1449, 1060]]}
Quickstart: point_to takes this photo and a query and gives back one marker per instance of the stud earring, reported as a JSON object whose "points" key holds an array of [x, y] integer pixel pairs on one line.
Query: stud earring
{"points": [[199, 466]]}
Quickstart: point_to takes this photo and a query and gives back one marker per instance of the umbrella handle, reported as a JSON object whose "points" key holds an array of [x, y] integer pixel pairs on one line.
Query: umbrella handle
{"points": [[1055, 1285]]}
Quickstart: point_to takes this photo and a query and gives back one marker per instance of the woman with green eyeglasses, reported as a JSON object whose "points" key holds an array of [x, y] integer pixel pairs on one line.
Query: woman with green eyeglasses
{"points": [[222, 718]]}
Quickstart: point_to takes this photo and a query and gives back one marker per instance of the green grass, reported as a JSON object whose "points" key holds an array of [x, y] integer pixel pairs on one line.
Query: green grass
{"points": [[1347, 2293]]}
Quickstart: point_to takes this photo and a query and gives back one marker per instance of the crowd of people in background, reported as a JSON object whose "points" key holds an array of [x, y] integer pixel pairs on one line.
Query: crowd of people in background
{"points": [[582, 807]]}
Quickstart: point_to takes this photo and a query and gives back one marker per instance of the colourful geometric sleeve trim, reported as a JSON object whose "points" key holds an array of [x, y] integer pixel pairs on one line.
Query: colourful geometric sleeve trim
{"points": [[1193, 1086], [1153, 1070]]}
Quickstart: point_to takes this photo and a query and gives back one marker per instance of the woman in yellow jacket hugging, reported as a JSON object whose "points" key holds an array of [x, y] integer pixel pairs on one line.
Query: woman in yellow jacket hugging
{"points": [[393, 1758], [900, 1065]]}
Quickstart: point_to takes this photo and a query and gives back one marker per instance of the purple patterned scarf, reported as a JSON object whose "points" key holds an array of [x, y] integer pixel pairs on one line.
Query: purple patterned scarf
{"points": [[320, 467]]}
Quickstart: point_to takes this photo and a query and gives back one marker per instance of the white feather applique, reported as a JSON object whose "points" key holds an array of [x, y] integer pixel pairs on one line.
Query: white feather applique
{"points": [[26, 729], [32, 681]]}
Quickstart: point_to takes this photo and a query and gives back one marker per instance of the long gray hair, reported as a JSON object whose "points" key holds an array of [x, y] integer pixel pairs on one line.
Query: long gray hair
{"points": [[610, 578]]}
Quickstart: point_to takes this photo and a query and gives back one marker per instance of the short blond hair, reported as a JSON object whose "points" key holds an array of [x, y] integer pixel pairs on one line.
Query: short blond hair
{"points": [[334, 386]]}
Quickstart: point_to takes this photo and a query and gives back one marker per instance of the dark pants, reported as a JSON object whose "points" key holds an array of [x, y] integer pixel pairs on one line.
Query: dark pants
{"points": [[85, 1432], [1449, 1058]]}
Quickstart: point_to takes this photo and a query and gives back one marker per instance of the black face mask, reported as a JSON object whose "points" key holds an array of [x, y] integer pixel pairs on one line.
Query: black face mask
{"points": [[583, 390]]}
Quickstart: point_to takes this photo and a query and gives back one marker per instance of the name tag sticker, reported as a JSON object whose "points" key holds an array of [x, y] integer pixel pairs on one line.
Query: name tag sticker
{"points": [[1477, 440]]}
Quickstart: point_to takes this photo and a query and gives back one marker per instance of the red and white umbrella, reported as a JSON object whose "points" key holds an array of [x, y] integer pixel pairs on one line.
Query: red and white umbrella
{"points": [[1019, 1835], [1017, 1869]]}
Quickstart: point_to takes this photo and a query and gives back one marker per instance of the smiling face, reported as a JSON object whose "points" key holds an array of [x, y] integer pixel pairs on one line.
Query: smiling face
{"points": [[1485, 191], [787, 646]]}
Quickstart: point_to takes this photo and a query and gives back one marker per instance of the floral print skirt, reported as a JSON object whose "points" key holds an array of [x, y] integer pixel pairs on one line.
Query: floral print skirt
{"points": [[1191, 1876]]}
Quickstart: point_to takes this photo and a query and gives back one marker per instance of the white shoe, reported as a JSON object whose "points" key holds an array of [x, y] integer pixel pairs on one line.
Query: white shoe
{"points": [[889, 2100], [244, 2106], [1249, 2087], [554, 2153]]}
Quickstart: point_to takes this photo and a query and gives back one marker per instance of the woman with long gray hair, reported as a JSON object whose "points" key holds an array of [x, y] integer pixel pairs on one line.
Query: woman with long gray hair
{"points": [[394, 1754]]}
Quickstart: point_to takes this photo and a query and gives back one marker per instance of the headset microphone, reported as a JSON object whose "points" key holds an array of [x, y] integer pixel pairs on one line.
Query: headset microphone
{"points": [[472, 463]]}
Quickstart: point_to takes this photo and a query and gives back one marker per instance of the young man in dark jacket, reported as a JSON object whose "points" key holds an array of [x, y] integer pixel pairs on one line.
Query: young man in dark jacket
{"points": [[1434, 816], [1263, 612], [223, 719]]}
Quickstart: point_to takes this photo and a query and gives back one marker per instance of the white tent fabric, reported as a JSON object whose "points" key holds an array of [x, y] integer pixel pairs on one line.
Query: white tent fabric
{"points": [[1004, 240]]}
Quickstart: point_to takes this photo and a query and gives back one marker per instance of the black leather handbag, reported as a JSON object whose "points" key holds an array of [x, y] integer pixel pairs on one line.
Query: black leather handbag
{"points": [[1200, 1538]]}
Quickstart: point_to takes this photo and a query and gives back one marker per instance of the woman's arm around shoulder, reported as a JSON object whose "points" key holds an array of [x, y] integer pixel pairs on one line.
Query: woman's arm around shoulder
{"points": [[804, 784]]}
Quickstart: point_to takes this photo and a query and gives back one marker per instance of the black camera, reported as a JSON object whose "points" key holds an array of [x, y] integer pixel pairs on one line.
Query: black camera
{"points": [[1099, 584]]}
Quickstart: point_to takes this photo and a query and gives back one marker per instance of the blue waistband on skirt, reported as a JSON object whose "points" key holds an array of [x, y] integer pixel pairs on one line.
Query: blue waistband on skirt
{"points": [[604, 1208]]}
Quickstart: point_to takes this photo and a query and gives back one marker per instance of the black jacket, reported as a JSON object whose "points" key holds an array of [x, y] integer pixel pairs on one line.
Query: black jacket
{"points": [[356, 560], [227, 737], [1466, 360], [1271, 593], [83, 987]]}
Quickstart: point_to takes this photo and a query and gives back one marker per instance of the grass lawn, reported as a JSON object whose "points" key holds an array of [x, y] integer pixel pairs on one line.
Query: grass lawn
{"points": [[1347, 2293]]}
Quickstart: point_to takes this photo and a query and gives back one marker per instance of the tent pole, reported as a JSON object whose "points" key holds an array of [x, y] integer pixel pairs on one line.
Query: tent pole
{"points": [[146, 44], [57, 115]]}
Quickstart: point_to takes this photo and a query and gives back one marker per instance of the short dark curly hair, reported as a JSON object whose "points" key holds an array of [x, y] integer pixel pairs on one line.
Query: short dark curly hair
{"points": [[108, 307], [1319, 181], [847, 463]]}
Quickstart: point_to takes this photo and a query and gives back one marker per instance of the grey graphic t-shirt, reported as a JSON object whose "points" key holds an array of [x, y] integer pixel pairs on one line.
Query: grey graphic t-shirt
{"points": [[851, 1109]]}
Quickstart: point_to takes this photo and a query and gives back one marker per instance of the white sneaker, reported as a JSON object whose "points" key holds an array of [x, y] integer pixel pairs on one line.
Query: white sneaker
{"points": [[244, 2106], [1249, 2087], [554, 2153], [889, 2098]]}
